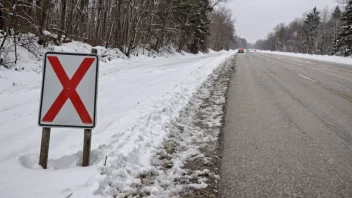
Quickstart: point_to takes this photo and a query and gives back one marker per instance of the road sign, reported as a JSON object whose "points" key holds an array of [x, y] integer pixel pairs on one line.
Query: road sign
{"points": [[69, 90]]}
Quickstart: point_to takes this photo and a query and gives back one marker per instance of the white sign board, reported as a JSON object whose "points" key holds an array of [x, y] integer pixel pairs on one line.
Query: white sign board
{"points": [[69, 90]]}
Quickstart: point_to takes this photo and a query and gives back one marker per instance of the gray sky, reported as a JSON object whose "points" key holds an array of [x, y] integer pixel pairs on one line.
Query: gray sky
{"points": [[256, 18]]}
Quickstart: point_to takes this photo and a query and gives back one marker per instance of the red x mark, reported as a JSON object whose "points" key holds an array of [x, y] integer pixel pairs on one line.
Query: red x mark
{"points": [[69, 90]]}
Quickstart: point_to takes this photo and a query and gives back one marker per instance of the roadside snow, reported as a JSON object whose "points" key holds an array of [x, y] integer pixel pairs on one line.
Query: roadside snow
{"points": [[136, 99], [333, 59], [181, 163]]}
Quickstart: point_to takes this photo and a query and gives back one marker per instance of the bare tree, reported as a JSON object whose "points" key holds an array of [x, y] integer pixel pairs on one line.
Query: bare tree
{"points": [[222, 30], [125, 24]]}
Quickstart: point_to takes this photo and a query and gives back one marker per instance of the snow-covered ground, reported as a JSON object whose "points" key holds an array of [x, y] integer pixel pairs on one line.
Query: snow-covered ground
{"points": [[333, 59], [137, 98], [186, 163]]}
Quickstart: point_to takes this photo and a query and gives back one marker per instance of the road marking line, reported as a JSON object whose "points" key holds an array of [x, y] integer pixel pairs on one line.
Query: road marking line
{"points": [[320, 62], [295, 63], [329, 89], [307, 78], [337, 68], [336, 92]]}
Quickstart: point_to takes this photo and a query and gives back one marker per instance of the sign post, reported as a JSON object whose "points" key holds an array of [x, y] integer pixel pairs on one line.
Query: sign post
{"points": [[44, 148], [87, 138], [86, 147], [68, 97]]}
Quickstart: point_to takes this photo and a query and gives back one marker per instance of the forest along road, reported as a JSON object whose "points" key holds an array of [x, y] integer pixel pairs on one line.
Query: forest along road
{"points": [[288, 129]]}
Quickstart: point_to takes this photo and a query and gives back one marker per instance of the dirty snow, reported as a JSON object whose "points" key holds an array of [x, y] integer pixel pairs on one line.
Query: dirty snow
{"points": [[137, 98], [333, 59], [187, 162]]}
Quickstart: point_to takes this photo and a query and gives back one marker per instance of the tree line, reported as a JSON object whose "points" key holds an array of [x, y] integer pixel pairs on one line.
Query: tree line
{"points": [[326, 32], [189, 25]]}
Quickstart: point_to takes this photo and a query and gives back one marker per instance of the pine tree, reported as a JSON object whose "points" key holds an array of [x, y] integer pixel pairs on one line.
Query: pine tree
{"points": [[345, 37], [193, 17], [336, 22], [336, 15], [201, 27], [311, 26], [2, 20]]}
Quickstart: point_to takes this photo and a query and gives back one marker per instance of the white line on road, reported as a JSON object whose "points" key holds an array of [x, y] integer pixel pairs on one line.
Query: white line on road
{"points": [[295, 63], [307, 78], [320, 64], [347, 70]]}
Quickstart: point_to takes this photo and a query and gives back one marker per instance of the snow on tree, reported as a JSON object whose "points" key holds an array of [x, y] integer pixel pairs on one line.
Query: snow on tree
{"points": [[311, 26], [317, 32], [345, 36], [336, 21], [122, 24]]}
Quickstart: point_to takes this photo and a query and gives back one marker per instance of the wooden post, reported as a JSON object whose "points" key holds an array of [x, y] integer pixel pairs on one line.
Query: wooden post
{"points": [[86, 146], [87, 136], [44, 148]]}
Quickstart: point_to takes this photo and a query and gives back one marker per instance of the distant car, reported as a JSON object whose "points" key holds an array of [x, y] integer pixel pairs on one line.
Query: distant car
{"points": [[241, 50]]}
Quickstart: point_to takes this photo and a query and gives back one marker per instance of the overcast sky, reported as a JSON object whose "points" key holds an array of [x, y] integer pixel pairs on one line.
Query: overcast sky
{"points": [[256, 18]]}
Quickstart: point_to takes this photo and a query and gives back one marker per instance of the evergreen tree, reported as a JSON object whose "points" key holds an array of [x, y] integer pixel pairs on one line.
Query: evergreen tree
{"points": [[201, 27], [311, 26], [336, 15], [345, 37], [335, 18], [194, 19]]}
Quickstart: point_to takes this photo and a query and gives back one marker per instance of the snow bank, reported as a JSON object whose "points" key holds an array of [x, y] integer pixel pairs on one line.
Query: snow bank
{"points": [[136, 98], [30, 53], [30, 57], [333, 59], [187, 163]]}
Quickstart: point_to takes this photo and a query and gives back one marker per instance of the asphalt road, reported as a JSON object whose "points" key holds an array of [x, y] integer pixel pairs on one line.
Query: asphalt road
{"points": [[288, 129]]}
